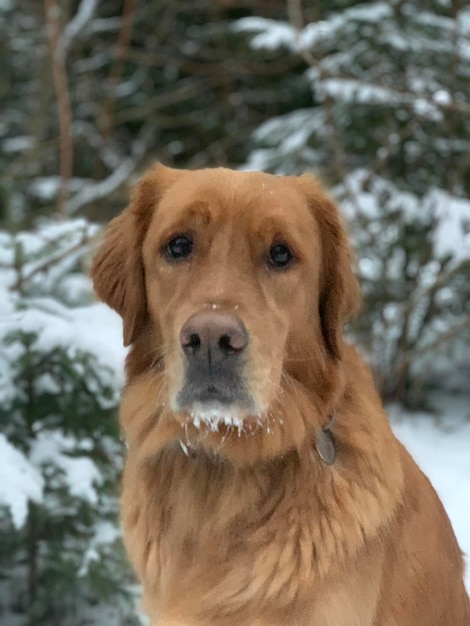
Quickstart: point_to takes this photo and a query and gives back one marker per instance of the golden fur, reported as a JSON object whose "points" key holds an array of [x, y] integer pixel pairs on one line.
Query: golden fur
{"points": [[241, 522]]}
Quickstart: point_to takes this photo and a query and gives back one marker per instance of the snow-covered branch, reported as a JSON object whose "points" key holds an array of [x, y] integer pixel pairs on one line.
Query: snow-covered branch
{"points": [[121, 175], [83, 16]]}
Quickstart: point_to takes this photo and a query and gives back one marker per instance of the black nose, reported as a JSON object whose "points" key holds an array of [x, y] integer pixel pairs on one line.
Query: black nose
{"points": [[213, 336]]}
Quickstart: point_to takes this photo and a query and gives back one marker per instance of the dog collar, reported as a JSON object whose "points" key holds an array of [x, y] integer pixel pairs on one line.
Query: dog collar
{"points": [[325, 443]]}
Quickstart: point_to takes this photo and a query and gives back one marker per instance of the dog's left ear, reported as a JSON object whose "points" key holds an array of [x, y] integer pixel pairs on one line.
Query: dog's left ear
{"points": [[339, 289], [117, 270]]}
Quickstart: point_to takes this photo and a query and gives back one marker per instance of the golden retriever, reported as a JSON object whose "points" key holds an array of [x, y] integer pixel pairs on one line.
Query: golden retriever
{"points": [[263, 485]]}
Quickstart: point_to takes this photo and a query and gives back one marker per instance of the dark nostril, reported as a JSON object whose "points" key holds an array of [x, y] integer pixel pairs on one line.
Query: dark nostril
{"points": [[194, 341], [190, 342], [225, 344], [233, 342]]}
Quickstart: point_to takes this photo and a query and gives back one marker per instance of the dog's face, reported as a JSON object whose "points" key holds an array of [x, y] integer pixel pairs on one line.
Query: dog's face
{"points": [[233, 288], [225, 271]]}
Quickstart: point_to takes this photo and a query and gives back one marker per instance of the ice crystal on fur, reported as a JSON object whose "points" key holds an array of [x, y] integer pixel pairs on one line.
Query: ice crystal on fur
{"points": [[214, 415]]}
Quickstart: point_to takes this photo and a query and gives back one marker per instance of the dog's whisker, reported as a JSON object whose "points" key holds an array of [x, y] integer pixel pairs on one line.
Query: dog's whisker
{"points": [[184, 447]]}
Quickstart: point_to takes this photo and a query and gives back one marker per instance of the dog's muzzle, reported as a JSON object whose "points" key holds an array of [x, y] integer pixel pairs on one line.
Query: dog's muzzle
{"points": [[214, 344]]}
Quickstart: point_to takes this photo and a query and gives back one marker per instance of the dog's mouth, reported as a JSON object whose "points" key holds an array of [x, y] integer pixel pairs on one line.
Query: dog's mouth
{"points": [[218, 388], [220, 392], [223, 418], [215, 354]]}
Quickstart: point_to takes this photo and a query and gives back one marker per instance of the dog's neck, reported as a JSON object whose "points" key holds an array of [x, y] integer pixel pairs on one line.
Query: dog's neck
{"points": [[324, 444], [209, 519], [216, 528]]}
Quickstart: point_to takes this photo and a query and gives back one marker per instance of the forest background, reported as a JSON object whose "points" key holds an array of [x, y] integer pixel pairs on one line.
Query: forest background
{"points": [[372, 97]]}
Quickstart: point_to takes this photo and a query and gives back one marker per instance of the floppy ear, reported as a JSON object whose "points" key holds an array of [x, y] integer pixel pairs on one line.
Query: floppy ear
{"points": [[339, 297], [117, 270]]}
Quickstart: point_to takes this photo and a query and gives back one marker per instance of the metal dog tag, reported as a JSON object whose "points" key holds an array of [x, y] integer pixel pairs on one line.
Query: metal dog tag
{"points": [[325, 446]]}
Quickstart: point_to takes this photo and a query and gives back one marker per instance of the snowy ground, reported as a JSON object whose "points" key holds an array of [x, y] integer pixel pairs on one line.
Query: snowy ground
{"points": [[441, 447]]}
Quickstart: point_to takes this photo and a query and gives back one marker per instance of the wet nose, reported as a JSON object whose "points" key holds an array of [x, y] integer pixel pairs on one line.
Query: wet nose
{"points": [[214, 336], [214, 343]]}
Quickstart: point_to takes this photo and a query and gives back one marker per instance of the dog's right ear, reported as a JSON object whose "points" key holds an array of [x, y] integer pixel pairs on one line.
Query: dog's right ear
{"points": [[117, 270]]}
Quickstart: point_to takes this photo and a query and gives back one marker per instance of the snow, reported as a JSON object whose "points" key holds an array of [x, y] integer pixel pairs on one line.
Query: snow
{"points": [[215, 415], [82, 17], [442, 450], [21, 482], [46, 188], [94, 190], [333, 73], [76, 329], [18, 144], [52, 259], [80, 473], [352, 90], [463, 18], [451, 236], [90, 329], [105, 533], [272, 34], [22, 478], [288, 137], [364, 193], [442, 97]]}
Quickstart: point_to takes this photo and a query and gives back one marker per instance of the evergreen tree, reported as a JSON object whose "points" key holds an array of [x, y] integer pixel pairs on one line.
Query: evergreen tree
{"points": [[62, 562], [98, 90], [388, 127], [373, 97]]}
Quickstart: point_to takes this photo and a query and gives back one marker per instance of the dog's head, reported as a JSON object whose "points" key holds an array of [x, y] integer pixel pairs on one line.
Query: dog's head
{"points": [[234, 289]]}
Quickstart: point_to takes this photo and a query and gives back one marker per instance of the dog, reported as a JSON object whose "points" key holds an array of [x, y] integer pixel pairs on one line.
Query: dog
{"points": [[263, 485]]}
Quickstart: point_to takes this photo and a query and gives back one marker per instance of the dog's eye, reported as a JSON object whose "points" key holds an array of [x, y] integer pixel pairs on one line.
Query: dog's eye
{"points": [[179, 247], [280, 255]]}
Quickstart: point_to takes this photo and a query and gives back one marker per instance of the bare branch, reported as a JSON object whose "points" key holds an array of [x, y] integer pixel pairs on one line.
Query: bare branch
{"points": [[294, 8], [59, 78], [46, 265], [113, 181], [438, 342], [124, 38]]}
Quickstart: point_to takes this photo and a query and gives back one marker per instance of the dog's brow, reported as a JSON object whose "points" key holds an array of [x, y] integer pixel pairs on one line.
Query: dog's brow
{"points": [[274, 227], [188, 209], [181, 217]]}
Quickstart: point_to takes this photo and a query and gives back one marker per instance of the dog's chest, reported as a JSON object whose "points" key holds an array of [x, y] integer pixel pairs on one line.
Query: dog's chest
{"points": [[206, 542], [200, 535]]}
